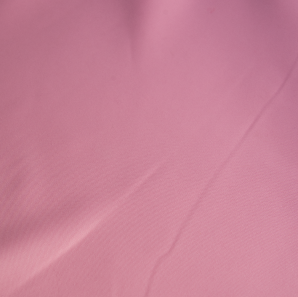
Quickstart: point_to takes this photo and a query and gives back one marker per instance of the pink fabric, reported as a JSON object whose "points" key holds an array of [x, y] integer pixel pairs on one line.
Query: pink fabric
{"points": [[148, 148]]}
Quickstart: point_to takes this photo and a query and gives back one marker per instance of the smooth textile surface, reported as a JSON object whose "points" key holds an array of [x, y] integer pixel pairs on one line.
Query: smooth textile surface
{"points": [[148, 148]]}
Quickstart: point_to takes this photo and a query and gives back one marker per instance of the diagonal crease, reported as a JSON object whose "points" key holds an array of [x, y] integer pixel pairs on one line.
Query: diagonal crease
{"points": [[83, 232], [212, 180]]}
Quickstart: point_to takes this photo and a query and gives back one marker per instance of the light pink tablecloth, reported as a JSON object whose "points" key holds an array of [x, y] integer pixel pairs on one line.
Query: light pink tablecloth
{"points": [[148, 148]]}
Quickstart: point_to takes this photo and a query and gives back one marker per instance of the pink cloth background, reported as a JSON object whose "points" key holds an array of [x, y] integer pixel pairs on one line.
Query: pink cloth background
{"points": [[148, 148]]}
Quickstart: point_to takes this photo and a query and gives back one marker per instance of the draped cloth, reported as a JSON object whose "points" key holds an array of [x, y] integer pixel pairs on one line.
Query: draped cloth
{"points": [[148, 148]]}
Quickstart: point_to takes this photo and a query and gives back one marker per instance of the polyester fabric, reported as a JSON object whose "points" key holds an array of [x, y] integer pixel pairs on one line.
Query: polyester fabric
{"points": [[148, 148]]}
